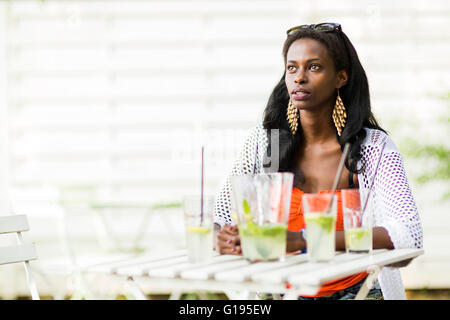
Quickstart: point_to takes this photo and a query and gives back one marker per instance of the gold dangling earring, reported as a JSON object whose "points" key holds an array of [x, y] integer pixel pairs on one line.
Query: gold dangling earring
{"points": [[292, 117], [339, 114]]}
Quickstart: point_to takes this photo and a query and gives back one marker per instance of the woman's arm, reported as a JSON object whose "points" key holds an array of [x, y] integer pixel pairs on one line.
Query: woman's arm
{"points": [[295, 241], [391, 200]]}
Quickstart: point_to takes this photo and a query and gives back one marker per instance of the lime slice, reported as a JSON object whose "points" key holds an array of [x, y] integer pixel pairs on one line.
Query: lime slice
{"points": [[252, 229], [325, 222], [354, 236], [246, 206], [273, 231], [357, 234], [197, 229]]}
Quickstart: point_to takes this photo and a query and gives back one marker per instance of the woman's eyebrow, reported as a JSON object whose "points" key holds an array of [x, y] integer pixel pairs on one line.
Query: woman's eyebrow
{"points": [[309, 60]]}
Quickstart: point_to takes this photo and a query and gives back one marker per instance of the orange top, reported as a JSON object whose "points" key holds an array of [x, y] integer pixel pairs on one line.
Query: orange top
{"points": [[297, 222]]}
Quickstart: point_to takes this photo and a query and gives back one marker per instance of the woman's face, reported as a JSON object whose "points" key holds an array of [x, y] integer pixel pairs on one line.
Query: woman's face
{"points": [[311, 77]]}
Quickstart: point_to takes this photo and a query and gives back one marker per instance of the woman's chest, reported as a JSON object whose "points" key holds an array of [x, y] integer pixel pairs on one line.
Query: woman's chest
{"points": [[319, 170]]}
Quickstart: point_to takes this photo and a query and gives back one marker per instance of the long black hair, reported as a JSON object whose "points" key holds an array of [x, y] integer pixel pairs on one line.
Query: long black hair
{"points": [[354, 94]]}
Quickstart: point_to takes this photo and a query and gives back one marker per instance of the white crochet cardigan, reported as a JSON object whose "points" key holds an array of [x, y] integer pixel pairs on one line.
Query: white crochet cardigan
{"points": [[391, 201]]}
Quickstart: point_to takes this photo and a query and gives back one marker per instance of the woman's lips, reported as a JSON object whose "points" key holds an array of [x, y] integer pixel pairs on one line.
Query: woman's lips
{"points": [[301, 95]]}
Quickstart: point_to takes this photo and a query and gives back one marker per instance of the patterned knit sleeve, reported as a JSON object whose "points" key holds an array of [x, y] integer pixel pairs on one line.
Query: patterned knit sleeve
{"points": [[394, 207], [244, 164]]}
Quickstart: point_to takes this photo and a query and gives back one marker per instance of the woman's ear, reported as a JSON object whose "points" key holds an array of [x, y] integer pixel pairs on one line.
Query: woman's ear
{"points": [[341, 79]]}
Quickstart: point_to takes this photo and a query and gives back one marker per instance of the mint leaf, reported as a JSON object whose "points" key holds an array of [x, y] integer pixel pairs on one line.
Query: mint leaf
{"points": [[246, 206]]}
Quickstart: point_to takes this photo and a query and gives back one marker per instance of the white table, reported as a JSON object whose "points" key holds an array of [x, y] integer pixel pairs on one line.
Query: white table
{"points": [[240, 279]]}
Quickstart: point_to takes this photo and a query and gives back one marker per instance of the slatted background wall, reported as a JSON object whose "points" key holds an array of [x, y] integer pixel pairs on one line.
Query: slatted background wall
{"points": [[120, 95]]}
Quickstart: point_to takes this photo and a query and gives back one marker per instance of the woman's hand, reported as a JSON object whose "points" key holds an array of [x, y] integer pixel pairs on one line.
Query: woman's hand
{"points": [[295, 242], [228, 240]]}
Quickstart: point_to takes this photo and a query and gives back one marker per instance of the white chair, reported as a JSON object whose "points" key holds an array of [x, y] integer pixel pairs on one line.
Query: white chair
{"points": [[22, 252]]}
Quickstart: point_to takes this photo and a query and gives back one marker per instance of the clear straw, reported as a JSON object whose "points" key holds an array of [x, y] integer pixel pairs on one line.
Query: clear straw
{"points": [[333, 190], [338, 174], [256, 159]]}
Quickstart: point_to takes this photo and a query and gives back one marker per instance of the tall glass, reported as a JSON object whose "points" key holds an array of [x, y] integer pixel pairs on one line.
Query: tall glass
{"points": [[262, 203], [320, 226], [199, 227], [357, 226]]}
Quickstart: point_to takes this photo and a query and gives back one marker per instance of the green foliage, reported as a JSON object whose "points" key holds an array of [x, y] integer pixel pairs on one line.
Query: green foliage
{"points": [[167, 205], [435, 156], [438, 155]]}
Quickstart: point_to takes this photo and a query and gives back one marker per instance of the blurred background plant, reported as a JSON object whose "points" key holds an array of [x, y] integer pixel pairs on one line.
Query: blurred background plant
{"points": [[434, 157]]}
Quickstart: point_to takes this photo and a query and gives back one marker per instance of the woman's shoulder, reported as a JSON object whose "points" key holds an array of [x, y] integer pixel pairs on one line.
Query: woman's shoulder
{"points": [[254, 137], [257, 133], [376, 138]]}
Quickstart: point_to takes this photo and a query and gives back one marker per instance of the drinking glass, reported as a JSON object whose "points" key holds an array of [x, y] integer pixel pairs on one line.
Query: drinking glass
{"points": [[320, 220], [262, 203], [357, 226], [198, 221]]}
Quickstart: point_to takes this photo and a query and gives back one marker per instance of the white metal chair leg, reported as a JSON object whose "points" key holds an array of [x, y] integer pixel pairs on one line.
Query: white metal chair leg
{"points": [[30, 280], [368, 283], [135, 289]]}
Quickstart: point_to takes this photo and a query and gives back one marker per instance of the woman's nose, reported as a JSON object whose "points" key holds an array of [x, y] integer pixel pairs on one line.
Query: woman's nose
{"points": [[301, 77]]}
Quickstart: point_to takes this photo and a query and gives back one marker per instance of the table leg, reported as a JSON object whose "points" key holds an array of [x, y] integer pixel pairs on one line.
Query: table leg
{"points": [[241, 295], [368, 283], [135, 290], [175, 295], [252, 296], [291, 295]]}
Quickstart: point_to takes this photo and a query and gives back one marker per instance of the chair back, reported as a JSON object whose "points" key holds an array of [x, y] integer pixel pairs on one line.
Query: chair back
{"points": [[21, 252]]}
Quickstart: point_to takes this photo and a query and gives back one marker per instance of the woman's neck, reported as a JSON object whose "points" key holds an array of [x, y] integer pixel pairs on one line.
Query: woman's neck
{"points": [[314, 129]]}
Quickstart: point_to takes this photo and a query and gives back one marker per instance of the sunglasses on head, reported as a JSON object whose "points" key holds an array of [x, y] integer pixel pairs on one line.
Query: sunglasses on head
{"points": [[320, 27]]}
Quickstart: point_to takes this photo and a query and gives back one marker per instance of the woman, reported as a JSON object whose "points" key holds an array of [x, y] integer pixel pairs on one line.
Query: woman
{"points": [[321, 103]]}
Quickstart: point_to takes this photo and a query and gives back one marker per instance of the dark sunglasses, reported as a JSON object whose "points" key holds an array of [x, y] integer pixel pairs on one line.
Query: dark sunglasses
{"points": [[321, 27]]}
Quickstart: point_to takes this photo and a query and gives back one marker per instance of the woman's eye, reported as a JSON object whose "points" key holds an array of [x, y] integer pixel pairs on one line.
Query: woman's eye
{"points": [[290, 68], [314, 67]]}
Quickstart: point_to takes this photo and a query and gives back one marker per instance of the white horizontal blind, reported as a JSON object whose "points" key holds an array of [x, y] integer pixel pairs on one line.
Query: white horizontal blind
{"points": [[123, 94]]}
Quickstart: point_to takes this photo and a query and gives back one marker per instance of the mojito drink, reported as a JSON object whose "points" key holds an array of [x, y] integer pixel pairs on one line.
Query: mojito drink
{"points": [[320, 236], [199, 242], [266, 242], [358, 240]]}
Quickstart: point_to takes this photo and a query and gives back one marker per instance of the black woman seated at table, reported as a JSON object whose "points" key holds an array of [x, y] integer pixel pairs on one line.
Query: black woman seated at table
{"points": [[321, 103]]}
